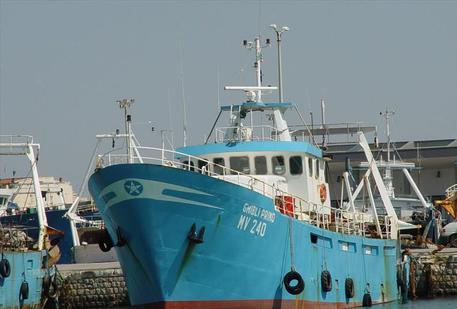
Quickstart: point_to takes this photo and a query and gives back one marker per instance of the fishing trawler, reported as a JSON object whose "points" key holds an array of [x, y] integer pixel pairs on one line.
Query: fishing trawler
{"points": [[27, 277], [243, 220]]}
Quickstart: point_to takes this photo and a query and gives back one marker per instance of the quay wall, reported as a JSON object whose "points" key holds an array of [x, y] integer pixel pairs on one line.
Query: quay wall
{"points": [[434, 274], [95, 285]]}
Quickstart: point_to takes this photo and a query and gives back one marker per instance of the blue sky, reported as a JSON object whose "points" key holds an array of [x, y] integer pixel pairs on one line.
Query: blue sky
{"points": [[64, 63]]}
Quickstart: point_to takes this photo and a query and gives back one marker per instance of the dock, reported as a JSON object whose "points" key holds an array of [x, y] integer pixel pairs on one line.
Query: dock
{"points": [[92, 285]]}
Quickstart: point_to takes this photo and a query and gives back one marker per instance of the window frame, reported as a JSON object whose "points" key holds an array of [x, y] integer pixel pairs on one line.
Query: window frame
{"points": [[273, 165], [255, 165], [242, 172], [300, 161]]}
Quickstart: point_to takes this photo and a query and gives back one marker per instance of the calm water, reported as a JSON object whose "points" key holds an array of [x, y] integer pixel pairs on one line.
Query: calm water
{"points": [[441, 303], [436, 303]]}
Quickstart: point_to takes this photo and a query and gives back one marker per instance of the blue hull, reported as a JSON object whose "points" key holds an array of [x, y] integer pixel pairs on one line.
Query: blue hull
{"points": [[246, 250], [56, 220], [25, 267]]}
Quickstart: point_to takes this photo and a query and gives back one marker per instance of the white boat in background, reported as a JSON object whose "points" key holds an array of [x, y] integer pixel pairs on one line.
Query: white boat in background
{"points": [[410, 209]]}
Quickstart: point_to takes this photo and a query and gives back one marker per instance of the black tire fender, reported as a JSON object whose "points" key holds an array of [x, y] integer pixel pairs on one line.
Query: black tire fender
{"points": [[366, 302], [49, 286], [326, 281], [294, 289], [5, 268], [24, 291], [105, 242], [46, 284], [349, 288]]}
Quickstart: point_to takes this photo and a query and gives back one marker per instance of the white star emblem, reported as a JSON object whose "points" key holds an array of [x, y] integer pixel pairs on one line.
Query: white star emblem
{"points": [[133, 187]]}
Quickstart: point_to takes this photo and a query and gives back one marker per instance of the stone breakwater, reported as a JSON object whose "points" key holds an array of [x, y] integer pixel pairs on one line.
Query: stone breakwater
{"points": [[98, 285], [434, 274]]}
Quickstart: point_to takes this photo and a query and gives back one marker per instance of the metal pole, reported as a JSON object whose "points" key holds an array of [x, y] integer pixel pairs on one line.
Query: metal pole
{"points": [[278, 40]]}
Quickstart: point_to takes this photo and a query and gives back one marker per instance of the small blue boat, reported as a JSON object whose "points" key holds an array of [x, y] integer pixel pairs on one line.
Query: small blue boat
{"points": [[27, 277], [243, 221]]}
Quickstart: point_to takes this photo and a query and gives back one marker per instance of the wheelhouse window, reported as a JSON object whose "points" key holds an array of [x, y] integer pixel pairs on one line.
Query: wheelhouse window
{"points": [[188, 165], [260, 165], [240, 164], [310, 167], [277, 162], [218, 168], [317, 169], [296, 165], [202, 165]]}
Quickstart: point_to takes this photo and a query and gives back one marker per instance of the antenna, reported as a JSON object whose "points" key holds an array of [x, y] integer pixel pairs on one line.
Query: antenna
{"points": [[125, 104], [279, 32], [323, 122], [388, 172], [257, 65], [387, 115], [184, 120], [218, 85]]}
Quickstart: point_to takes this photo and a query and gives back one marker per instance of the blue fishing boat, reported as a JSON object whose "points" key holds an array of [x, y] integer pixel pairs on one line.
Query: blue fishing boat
{"points": [[27, 277], [242, 221]]}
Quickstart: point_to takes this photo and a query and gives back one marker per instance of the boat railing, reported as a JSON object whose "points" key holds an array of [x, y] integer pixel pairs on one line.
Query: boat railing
{"points": [[451, 192], [11, 144], [317, 214], [246, 133]]}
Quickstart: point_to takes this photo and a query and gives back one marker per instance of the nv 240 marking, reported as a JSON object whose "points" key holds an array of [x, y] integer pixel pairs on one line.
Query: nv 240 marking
{"points": [[255, 227]]}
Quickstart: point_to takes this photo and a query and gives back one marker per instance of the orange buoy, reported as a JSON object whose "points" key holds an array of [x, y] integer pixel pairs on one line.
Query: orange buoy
{"points": [[323, 192]]}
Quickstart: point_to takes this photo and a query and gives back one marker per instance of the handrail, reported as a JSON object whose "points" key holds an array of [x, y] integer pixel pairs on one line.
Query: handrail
{"points": [[258, 133], [339, 220], [451, 191]]}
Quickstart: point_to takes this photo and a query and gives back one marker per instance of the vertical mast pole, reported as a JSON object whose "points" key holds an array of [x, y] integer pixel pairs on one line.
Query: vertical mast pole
{"points": [[124, 104], [258, 71], [278, 41], [388, 173]]}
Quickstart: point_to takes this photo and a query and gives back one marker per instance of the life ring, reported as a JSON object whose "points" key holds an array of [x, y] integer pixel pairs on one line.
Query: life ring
{"points": [[323, 193], [5, 268], [294, 289], [326, 281], [349, 288]]}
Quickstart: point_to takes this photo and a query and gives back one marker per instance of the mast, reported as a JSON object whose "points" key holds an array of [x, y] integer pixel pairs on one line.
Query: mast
{"points": [[388, 180], [279, 32], [125, 104], [15, 146], [257, 64]]}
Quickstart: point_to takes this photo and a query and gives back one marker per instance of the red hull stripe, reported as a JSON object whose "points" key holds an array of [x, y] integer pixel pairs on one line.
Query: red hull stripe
{"points": [[249, 304]]}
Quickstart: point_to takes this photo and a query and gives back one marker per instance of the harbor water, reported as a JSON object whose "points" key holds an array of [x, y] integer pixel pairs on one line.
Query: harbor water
{"points": [[435, 303]]}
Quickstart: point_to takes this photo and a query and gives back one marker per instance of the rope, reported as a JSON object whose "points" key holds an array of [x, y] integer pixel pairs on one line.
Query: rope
{"points": [[291, 240]]}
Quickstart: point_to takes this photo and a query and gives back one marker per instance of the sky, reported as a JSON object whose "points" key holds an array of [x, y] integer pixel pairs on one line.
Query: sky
{"points": [[63, 65]]}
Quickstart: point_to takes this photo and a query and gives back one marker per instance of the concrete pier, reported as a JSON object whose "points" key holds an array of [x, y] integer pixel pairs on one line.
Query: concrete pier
{"points": [[94, 285]]}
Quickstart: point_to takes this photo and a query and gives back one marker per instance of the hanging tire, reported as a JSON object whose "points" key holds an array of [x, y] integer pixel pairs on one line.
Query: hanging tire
{"points": [[5, 268], [294, 289], [49, 286], [349, 288], [46, 284], [326, 281], [24, 291], [366, 302], [105, 242]]}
